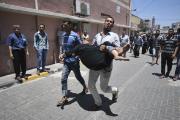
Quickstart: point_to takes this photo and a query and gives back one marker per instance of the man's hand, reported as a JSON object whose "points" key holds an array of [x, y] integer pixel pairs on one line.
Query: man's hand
{"points": [[11, 56], [61, 58], [27, 53], [102, 47], [173, 56]]}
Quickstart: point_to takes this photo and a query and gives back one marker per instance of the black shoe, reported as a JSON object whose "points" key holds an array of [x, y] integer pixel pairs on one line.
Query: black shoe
{"points": [[162, 76], [175, 78], [167, 75], [23, 76], [19, 79]]}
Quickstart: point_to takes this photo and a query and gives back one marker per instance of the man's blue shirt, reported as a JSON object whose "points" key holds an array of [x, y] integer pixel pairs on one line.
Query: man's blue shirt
{"points": [[69, 43], [17, 42]]}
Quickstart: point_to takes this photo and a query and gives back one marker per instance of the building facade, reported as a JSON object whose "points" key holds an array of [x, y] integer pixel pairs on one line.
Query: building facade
{"points": [[175, 26], [86, 15], [135, 22]]}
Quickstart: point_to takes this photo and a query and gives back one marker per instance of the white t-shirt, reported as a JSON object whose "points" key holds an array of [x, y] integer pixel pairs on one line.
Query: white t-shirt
{"points": [[124, 40], [111, 37]]}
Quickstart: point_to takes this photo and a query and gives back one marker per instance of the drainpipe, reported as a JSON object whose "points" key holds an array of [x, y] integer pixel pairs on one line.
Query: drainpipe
{"points": [[36, 16], [36, 5], [130, 17]]}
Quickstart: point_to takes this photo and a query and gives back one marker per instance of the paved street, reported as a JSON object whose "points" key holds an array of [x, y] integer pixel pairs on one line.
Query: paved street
{"points": [[142, 96]]}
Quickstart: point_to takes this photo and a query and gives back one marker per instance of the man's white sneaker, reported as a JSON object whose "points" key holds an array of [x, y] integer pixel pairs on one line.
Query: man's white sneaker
{"points": [[115, 95]]}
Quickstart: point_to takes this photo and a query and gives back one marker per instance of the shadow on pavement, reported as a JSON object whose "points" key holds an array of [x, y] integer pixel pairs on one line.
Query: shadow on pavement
{"points": [[157, 74], [86, 102], [7, 85], [150, 63]]}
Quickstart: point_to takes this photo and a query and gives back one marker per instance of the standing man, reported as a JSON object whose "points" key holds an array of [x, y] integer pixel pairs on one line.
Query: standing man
{"points": [[18, 50], [156, 46], [71, 39], [131, 42], [177, 53], [41, 46], [60, 35], [138, 42], [104, 74], [168, 48], [124, 40]]}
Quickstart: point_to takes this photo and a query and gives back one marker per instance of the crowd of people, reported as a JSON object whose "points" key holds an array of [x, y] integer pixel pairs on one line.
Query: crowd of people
{"points": [[164, 45], [100, 51]]}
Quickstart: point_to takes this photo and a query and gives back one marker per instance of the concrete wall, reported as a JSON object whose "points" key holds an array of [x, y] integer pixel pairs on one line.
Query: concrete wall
{"points": [[60, 6], [22, 3], [29, 25], [67, 7], [108, 7]]}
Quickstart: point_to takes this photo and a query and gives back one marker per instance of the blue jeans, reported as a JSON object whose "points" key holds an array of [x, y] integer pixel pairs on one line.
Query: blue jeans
{"points": [[41, 58], [65, 73], [177, 72]]}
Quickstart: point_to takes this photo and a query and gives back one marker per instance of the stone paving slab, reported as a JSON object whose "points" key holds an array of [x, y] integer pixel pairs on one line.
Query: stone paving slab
{"points": [[142, 96]]}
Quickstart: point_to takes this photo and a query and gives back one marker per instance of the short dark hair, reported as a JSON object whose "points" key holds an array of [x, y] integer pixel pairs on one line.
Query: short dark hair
{"points": [[42, 25], [16, 26], [68, 22], [111, 18], [171, 29], [158, 30]]}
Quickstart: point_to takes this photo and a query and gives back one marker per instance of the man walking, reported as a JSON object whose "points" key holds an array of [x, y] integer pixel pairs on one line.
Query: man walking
{"points": [[138, 42], [41, 46], [131, 42], [71, 39], [18, 50], [124, 40], [156, 47], [60, 36], [104, 74]]}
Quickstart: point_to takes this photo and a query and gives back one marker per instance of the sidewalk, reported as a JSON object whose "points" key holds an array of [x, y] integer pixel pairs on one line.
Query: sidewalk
{"points": [[8, 80]]}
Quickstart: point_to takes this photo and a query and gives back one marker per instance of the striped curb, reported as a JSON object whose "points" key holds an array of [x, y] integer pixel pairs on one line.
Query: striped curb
{"points": [[36, 76]]}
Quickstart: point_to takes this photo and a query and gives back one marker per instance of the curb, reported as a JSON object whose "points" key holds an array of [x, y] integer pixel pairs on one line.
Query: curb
{"points": [[35, 76], [42, 74], [29, 78]]}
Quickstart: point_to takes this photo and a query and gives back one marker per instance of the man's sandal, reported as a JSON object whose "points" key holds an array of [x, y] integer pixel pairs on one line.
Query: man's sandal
{"points": [[62, 101]]}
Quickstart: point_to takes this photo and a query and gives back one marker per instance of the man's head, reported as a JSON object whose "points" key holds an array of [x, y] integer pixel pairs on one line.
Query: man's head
{"points": [[67, 26], [136, 33], [158, 32], [41, 27], [124, 32], [171, 31], [85, 32], [108, 23], [16, 29]]}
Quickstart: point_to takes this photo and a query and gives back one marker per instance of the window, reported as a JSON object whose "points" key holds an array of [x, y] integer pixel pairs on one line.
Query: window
{"points": [[118, 9], [82, 8]]}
